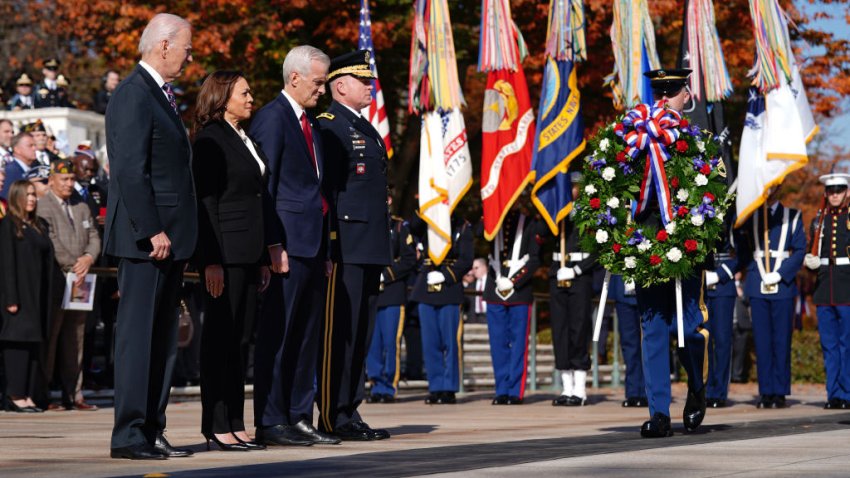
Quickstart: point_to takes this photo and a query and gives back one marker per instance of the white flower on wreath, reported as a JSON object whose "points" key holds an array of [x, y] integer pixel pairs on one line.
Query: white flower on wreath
{"points": [[700, 146], [630, 262], [590, 189], [603, 145], [720, 216], [682, 195], [644, 245], [613, 203], [608, 173], [670, 227], [701, 180], [601, 236], [697, 220], [674, 254]]}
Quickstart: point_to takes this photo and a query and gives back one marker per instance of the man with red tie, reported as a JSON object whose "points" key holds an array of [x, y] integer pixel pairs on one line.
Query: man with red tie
{"points": [[297, 238]]}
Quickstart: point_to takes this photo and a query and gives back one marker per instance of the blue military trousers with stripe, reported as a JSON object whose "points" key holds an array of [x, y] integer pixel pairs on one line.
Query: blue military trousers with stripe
{"points": [[772, 327], [382, 361], [657, 306], [507, 326], [721, 312], [441, 346], [628, 323], [834, 329]]}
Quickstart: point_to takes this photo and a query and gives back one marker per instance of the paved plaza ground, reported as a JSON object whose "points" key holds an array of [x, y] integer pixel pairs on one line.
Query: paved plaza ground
{"points": [[472, 438]]}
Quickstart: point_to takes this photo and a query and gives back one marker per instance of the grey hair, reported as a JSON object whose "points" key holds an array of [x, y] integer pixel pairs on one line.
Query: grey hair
{"points": [[299, 58], [163, 26]]}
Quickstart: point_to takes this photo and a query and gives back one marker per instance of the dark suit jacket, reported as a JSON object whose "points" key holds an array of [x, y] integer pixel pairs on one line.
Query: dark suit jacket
{"points": [[151, 187], [14, 172], [231, 196], [296, 221], [356, 180]]}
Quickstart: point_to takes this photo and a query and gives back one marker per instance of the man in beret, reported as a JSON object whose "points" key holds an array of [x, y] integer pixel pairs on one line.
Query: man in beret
{"points": [[76, 243], [356, 184], [23, 99]]}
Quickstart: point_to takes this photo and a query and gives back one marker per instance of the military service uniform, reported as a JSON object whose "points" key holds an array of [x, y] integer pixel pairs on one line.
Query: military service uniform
{"points": [[831, 260], [721, 295], [382, 362], [50, 94], [508, 294], [22, 101]]}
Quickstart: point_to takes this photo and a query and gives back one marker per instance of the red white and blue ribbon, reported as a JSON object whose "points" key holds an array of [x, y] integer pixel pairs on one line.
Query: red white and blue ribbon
{"points": [[653, 129]]}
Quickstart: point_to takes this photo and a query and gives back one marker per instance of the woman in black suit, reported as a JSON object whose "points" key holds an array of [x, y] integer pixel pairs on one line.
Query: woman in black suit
{"points": [[26, 255], [230, 176]]}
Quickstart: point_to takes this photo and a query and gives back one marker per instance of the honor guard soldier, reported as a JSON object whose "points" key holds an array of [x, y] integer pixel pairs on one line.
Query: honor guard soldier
{"points": [[830, 258], [721, 296], [356, 183], [628, 324], [508, 292], [383, 361], [657, 306], [571, 307], [50, 93], [773, 251], [23, 99], [439, 291]]}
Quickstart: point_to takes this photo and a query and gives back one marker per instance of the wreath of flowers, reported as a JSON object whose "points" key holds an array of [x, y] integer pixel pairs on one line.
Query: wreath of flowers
{"points": [[652, 150]]}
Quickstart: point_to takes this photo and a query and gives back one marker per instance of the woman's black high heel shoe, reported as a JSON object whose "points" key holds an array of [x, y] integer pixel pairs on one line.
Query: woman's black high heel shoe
{"points": [[224, 446], [10, 406], [252, 445]]}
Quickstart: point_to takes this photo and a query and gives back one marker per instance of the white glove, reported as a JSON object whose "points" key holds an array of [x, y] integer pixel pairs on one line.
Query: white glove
{"points": [[436, 277], [566, 273], [812, 262], [711, 278], [772, 278], [382, 278], [629, 287], [504, 284]]}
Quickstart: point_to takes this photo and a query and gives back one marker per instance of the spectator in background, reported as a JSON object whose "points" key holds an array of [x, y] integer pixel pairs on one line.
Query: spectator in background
{"points": [[3, 203], [6, 133], [50, 92], [101, 99], [23, 99], [76, 245], [477, 313], [86, 168], [39, 176], [27, 257], [23, 152], [39, 135]]}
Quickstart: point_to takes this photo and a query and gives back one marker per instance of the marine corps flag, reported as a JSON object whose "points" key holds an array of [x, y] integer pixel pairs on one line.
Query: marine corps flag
{"points": [[508, 120]]}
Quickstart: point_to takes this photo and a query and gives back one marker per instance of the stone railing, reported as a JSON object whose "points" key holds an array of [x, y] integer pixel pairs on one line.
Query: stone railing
{"points": [[70, 126]]}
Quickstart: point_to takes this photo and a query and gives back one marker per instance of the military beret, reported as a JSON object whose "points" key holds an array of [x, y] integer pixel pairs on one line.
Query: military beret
{"points": [[668, 82], [61, 81], [355, 63], [62, 166]]}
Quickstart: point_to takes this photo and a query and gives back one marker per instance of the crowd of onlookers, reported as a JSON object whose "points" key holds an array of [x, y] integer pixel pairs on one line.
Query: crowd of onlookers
{"points": [[23, 92]]}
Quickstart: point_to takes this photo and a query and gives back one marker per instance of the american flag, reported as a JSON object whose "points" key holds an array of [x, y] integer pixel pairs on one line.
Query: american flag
{"points": [[377, 111]]}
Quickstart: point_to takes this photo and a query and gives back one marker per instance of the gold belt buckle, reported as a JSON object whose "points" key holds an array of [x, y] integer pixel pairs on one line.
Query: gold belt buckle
{"points": [[563, 284], [435, 287], [381, 287], [769, 289]]}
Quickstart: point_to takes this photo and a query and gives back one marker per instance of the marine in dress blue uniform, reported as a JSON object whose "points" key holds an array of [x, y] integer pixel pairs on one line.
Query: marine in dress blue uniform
{"points": [[356, 183], [439, 291], [772, 290], [721, 295], [508, 292], [657, 306], [628, 324], [383, 361], [830, 258]]}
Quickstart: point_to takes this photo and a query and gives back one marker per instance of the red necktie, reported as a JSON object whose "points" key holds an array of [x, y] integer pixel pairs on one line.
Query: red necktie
{"points": [[308, 136]]}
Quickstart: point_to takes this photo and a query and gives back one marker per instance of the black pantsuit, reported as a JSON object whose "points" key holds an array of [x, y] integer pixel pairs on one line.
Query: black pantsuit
{"points": [[22, 368]]}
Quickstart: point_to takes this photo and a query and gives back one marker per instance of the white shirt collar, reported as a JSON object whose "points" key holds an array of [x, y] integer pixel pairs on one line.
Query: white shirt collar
{"points": [[773, 207], [295, 106], [356, 113], [154, 74]]}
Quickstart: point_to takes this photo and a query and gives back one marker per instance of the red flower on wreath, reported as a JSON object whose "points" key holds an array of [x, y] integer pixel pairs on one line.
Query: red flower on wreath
{"points": [[705, 169], [682, 211], [595, 203], [629, 231], [682, 146], [675, 182], [616, 247], [654, 260], [683, 123], [691, 245], [618, 128], [710, 197], [661, 236], [621, 157]]}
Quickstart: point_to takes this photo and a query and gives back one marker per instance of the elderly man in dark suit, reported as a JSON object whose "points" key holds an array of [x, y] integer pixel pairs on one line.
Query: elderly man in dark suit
{"points": [[151, 227], [296, 235]]}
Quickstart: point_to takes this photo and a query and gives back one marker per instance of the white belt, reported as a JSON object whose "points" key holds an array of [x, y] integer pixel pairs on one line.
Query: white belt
{"points": [[773, 254], [839, 261], [722, 257], [572, 256]]}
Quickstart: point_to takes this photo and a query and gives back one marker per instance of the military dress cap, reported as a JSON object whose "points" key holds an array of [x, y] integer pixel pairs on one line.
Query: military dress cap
{"points": [[835, 179], [38, 173], [355, 63], [35, 126], [61, 81], [24, 80], [52, 64], [668, 81], [62, 166]]}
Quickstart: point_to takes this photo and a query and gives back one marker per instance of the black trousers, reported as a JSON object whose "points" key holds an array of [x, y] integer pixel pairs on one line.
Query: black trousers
{"points": [[570, 315], [222, 367], [145, 348], [345, 343], [22, 366], [287, 346]]}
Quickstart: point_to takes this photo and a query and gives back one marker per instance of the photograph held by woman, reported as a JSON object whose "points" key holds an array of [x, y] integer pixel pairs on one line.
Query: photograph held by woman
{"points": [[231, 179], [27, 257]]}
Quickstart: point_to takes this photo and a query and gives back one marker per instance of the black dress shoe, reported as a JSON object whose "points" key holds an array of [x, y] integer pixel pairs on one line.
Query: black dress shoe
{"points": [[694, 409], [374, 433], [514, 401], [845, 404], [373, 398], [281, 435], [386, 398], [575, 401], [561, 401], [352, 432], [432, 399], [833, 404], [162, 446], [310, 433], [446, 398], [137, 452], [657, 427], [500, 400], [765, 401], [778, 401], [635, 402], [715, 403], [251, 444], [238, 446]]}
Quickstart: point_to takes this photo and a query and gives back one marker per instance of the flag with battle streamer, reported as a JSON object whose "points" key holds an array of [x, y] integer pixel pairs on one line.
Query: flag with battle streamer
{"points": [[376, 112]]}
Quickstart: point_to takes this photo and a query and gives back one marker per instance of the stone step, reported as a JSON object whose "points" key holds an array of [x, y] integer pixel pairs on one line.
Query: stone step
{"points": [[541, 349]]}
